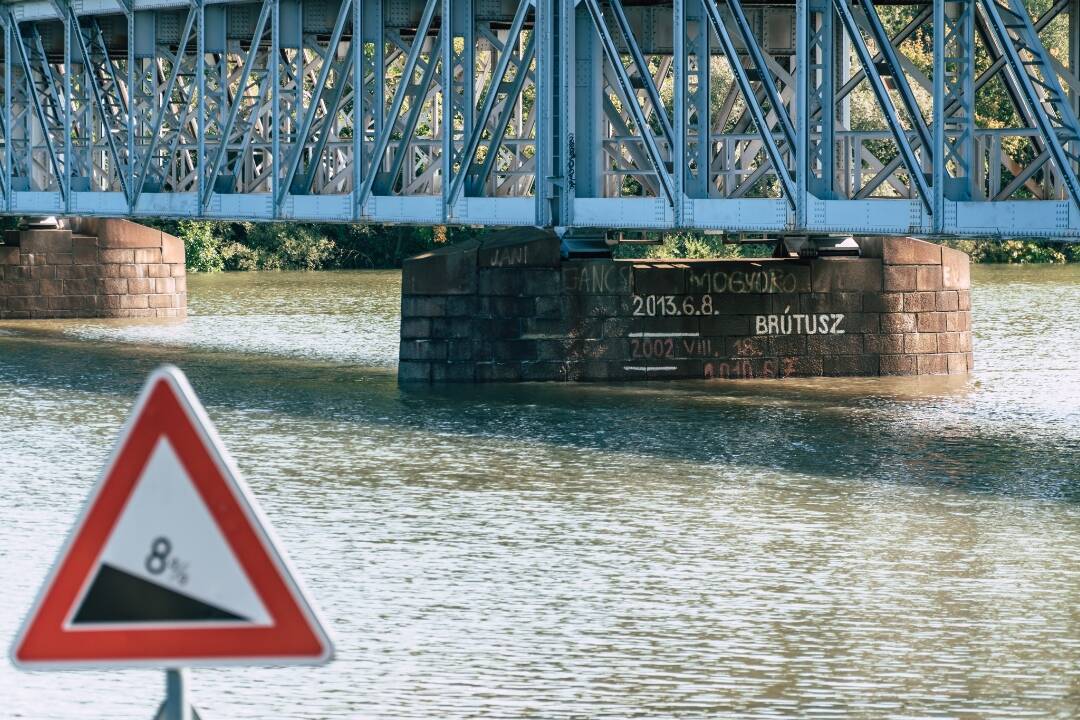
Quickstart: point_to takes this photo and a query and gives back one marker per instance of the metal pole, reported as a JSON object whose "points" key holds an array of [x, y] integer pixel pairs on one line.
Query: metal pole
{"points": [[201, 189], [802, 112], [938, 154], [177, 705], [9, 28], [65, 181], [275, 105], [544, 129], [356, 46], [701, 184], [447, 91], [677, 151]]}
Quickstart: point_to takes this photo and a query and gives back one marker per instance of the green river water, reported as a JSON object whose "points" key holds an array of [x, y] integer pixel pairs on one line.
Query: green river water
{"points": [[829, 548]]}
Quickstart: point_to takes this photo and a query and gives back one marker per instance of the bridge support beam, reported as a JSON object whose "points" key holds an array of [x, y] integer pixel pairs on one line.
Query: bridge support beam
{"points": [[577, 115], [511, 308]]}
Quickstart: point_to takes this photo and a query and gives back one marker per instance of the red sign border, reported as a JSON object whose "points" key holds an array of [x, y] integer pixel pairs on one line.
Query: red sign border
{"points": [[168, 406]]}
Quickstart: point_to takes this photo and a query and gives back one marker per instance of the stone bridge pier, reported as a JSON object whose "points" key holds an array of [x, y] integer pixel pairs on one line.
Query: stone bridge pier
{"points": [[510, 308], [93, 268]]}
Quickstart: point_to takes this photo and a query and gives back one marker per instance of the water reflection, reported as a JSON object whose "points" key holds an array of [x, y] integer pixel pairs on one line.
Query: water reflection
{"points": [[833, 548]]}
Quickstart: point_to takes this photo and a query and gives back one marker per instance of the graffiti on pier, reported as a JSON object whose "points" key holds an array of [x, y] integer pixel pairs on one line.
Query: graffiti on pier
{"points": [[740, 370], [738, 281], [647, 347], [788, 323], [595, 277], [512, 256], [673, 306]]}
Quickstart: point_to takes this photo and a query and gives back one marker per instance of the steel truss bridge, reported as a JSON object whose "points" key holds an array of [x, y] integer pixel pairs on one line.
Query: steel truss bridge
{"points": [[732, 115]]}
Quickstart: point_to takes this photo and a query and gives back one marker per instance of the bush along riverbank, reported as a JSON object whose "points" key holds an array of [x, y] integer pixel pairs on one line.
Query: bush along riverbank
{"points": [[214, 246], [1017, 252], [228, 246], [701, 246]]}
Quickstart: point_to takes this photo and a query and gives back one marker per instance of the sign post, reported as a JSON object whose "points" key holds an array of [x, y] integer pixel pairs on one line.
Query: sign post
{"points": [[176, 705], [171, 563]]}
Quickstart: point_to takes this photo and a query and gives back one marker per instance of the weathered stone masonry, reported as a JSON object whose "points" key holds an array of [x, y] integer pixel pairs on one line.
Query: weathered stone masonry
{"points": [[100, 268], [511, 309]]}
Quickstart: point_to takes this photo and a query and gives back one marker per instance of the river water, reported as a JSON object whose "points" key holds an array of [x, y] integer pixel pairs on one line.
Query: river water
{"points": [[874, 548]]}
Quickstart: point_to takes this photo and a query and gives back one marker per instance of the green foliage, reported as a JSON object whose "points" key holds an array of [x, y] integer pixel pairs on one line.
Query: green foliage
{"points": [[281, 246], [994, 107], [380, 246], [692, 246], [216, 246], [1018, 252], [202, 245]]}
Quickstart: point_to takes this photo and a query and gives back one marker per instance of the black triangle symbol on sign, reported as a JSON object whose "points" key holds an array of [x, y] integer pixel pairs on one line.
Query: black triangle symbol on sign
{"points": [[120, 597]]}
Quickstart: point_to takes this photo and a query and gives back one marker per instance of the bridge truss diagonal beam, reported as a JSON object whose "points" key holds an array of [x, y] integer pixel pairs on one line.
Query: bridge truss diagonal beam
{"points": [[317, 93], [885, 103], [383, 141], [99, 104], [161, 111], [628, 97], [1014, 33], [499, 132], [39, 109], [480, 123], [750, 98]]}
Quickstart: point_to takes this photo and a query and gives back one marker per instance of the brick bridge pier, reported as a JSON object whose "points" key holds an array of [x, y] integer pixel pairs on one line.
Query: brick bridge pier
{"points": [[93, 268], [510, 308]]}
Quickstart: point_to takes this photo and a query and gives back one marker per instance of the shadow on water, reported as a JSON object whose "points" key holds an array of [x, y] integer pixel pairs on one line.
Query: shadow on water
{"points": [[907, 431]]}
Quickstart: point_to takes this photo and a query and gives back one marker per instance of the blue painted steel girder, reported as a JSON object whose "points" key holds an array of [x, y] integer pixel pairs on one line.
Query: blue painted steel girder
{"points": [[814, 116]]}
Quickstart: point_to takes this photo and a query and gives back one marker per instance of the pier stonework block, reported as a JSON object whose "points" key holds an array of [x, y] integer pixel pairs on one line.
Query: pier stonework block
{"points": [[507, 308], [94, 268]]}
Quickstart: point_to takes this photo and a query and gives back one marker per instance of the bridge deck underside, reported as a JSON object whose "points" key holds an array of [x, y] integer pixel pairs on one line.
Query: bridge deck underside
{"points": [[817, 116]]}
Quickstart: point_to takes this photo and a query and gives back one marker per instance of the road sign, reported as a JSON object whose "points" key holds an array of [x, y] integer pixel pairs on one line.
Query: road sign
{"points": [[171, 562]]}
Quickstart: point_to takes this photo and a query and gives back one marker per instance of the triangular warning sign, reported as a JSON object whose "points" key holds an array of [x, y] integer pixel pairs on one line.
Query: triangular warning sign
{"points": [[171, 563]]}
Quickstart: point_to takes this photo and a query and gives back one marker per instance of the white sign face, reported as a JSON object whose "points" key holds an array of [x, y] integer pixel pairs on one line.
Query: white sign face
{"points": [[171, 563], [168, 547]]}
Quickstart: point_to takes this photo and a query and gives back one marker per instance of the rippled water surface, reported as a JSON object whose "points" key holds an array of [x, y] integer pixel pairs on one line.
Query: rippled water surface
{"points": [[830, 548]]}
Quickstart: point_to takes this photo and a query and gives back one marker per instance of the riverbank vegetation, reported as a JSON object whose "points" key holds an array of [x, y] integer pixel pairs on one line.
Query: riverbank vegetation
{"points": [[228, 246], [986, 250], [216, 246]]}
